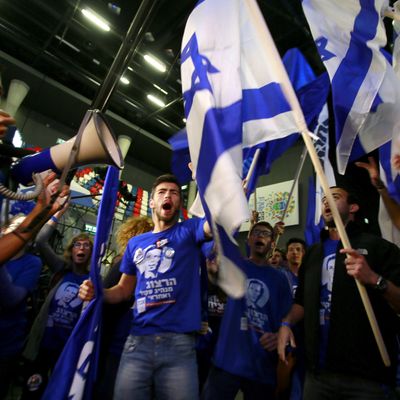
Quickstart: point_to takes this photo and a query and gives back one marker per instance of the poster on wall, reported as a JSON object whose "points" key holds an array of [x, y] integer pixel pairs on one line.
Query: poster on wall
{"points": [[271, 202]]}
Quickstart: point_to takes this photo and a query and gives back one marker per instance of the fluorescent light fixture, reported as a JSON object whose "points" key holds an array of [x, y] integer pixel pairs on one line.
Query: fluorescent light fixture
{"points": [[124, 80], [163, 123], [70, 45], [184, 120], [156, 100], [92, 80], [130, 69], [96, 61], [91, 16], [160, 89], [184, 187], [157, 64], [131, 104]]}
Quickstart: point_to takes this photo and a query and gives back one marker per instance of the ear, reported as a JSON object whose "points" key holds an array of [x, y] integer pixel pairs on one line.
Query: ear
{"points": [[354, 208], [151, 204]]}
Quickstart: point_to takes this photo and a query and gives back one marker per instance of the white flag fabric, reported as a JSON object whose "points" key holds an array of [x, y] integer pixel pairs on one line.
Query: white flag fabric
{"points": [[233, 99], [350, 35]]}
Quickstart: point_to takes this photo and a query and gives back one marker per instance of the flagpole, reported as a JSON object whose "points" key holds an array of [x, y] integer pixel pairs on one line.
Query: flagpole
{"points": [[276, 63], [303, 157], [250, 174]]}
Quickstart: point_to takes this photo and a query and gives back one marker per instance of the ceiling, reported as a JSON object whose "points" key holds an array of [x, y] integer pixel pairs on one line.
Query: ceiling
{"points": [[65, 58]]}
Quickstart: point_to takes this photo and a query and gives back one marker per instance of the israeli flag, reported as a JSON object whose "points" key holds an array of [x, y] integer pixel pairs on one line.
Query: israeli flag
{"points": [[350, 35], [233, 99], [75, 372]]}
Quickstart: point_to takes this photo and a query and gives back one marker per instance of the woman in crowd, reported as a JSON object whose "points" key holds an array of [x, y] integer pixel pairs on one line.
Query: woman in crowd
{"points": [[62, 307]]}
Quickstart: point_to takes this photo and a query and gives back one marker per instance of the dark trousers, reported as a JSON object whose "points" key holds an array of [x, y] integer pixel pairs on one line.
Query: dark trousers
{"points": [[224, 385], [333, 386]]}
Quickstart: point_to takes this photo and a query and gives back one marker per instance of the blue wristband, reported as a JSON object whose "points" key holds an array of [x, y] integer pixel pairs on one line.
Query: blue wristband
{"points": [[54, 219], [284, 323]]}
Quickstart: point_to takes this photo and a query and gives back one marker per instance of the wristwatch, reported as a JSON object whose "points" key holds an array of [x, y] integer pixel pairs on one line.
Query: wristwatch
{"points": [[381, 284]]}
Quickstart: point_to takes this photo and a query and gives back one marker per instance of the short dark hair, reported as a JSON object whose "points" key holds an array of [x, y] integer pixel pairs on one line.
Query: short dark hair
{"points": [[169, 178], [296, 240], [352, 197], [262, 223]]}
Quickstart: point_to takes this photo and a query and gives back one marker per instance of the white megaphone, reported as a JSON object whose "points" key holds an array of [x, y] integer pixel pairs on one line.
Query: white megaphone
{"points": [[98, 146], [16, 94]]}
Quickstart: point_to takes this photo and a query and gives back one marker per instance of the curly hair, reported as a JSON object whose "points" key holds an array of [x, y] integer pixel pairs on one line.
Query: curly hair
{"points": [[68, 249], [133, 226]]}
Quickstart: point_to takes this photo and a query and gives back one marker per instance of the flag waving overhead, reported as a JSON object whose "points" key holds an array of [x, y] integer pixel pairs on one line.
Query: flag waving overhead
{"points": [[365, 91], [233, 99], [74, 374]]}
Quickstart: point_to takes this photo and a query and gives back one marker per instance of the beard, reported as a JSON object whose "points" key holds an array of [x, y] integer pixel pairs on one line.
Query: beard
{"points": [[172, 218]]}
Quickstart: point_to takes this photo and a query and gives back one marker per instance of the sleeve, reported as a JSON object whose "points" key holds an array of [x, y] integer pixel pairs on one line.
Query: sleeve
{"points": [[127, 265], [50, 257], [198, 227], [10, 294], [390, 258]]}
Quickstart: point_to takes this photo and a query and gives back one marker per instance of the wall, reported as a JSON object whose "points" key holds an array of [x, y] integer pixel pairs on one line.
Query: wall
{"points": [[285, 169]]}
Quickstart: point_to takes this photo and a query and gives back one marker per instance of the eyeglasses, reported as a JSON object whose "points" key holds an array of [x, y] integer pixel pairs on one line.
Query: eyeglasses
{"points": [[258, 232], [79, 245]]}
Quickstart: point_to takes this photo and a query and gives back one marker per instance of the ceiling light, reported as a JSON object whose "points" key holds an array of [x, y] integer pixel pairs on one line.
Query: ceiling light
{"points": [[163, 123], [96, 61], [157, 64], [160, 89], [156, 100], [124, 80], [91, 16], [67, 43], [184, 120], [130, 69], [131, 104]]}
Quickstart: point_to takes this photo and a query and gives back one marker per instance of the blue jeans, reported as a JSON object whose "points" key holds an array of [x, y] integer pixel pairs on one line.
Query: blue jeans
{"points": [[161, 366]]}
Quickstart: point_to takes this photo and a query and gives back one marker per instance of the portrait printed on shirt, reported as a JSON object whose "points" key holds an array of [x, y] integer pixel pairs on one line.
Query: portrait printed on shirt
{"points": [[153, 262], [328, 270], [67, 305], [257, 296]]}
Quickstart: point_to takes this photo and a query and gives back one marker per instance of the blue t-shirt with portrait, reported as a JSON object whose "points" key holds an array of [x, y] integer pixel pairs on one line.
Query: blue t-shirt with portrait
{"points": [[268, 299], [23, 272], [167, 267], [327, 272], [64, 312]]}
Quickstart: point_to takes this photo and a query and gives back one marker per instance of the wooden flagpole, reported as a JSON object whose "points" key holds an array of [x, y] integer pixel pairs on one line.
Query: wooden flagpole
{"points": [[281, 75]]}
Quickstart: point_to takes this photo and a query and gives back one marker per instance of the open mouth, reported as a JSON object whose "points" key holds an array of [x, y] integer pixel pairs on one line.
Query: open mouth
{"points": [[167, 206], [259, 243]]}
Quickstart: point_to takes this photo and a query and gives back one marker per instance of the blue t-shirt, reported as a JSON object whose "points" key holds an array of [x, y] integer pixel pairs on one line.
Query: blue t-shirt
{"points": [[268, 299], [23, 272], [64, 312], [327, 272], [167, 267]]}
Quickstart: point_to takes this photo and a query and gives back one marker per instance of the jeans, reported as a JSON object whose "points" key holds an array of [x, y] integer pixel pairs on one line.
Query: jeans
{"points": [[161, 366], [333, 386], [224, 385]]}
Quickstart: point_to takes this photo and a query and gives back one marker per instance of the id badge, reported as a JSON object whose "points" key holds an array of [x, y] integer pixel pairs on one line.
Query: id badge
{"points": [[141, 305]]}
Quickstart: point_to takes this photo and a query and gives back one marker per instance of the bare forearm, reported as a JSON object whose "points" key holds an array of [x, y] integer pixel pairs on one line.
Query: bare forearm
{"points": [[295, 314], [116, 294]]}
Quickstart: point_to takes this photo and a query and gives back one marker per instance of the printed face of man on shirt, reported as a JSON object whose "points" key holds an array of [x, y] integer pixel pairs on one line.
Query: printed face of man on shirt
{"points": [[254, 291], [152, 262], [166, 202]]}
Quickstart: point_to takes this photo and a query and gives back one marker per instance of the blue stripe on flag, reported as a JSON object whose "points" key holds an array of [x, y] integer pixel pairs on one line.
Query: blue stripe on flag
{"points": [[75, 372]]}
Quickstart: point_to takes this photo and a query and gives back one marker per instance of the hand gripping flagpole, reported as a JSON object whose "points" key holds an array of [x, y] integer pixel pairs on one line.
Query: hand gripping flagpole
{"points": [[294, 103]]}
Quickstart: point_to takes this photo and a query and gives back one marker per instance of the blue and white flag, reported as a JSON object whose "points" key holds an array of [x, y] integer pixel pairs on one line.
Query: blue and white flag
{"points": [[350, 35], [233, 99], [75, 371], [313, 228], [391, 178]]}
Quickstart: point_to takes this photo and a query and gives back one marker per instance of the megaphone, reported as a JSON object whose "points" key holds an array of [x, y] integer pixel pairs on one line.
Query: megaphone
{"points": [[97, 146], [16, 94]]}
